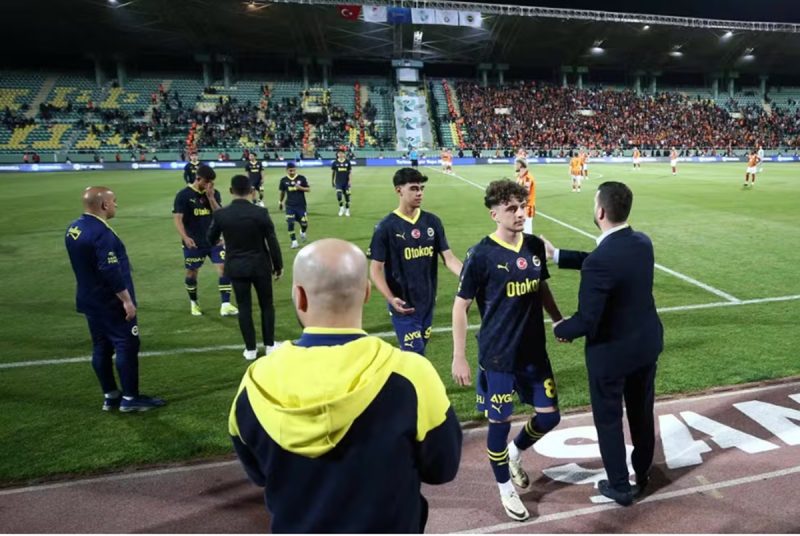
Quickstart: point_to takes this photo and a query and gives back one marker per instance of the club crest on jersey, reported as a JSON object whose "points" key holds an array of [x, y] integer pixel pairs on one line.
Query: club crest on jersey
{"points": [[522, 264], [430, 232], [536, 261], [415, 233]]}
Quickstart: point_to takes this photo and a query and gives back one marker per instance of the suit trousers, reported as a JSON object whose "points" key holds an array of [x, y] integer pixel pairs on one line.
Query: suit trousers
{"points": [[244, 299], [607, 393]]}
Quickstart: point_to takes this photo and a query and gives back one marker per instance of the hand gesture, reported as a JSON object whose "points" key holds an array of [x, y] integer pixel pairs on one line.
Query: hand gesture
{"points": [[400, 306], [276, 274], [461, 372], [209, 190], [549, 249], [189, 243]]}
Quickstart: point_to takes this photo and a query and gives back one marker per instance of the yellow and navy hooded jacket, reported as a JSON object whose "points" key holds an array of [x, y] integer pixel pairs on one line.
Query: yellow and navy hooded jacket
{"points": [[340, 428]]}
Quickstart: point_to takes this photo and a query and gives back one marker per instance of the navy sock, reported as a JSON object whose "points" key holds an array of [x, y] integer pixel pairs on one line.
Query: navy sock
{"points": [[225, 289], [496, 445], [536, 428], [191, 287]]}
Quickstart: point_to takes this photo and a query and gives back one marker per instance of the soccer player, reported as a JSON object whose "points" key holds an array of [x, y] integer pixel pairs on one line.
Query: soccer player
{"points": [[673, 160], [760, 158], [192, 216], [341, 172], [752, 169], [447, 161], [584, 156], [526, 180], [293, 188], [506, 273], [106, 297], [404, 256], [190, 169], [255, 173], [575, 173], [637, 158]]}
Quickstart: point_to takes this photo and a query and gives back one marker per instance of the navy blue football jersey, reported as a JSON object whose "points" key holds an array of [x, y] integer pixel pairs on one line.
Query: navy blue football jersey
{"points": [[295, 199], [342, 171], [504, 279], [410, 249], [196, 210]]}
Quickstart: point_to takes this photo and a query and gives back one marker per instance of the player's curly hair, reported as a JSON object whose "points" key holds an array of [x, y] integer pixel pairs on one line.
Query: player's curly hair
{"points": [[503, 191]]}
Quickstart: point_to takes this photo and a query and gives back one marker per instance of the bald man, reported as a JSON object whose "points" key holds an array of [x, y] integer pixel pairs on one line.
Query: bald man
{"points": [[106, 297], [340, 428]]}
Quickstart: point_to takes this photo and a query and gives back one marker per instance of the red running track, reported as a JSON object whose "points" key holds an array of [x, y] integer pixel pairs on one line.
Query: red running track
{"points": [[727, 461]]}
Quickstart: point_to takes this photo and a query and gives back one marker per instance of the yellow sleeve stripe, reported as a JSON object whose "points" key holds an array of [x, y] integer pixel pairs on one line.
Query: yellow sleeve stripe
{"points": [[432, 401], [233, 424]]}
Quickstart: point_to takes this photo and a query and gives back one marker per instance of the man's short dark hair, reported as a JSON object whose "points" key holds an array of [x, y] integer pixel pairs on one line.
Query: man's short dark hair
{"points": [[291, 165], [206, 172], [616, 199], [408, 175], [503, 191], [240, 185], [522, 163]]}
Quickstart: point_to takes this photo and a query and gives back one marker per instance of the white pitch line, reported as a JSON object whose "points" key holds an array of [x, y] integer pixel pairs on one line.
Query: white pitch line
{"points": [[469, 431], [683, 277], [570, 514], [382, 334]]}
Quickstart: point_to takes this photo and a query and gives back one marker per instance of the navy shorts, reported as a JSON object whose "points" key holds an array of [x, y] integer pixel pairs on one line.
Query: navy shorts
{"points": [[343, 187], [533, 385], [257, 184], [296, 215], [193, 258], [413, 331]]}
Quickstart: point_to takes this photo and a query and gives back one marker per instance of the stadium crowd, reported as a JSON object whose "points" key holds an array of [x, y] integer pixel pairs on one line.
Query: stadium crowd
{"points": [[605, 119]]}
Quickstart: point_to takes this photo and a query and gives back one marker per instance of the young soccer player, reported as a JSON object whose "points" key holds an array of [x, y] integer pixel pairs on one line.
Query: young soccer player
{"points": [[404, 253], [293, 188], [506, 273], [341, 170]]}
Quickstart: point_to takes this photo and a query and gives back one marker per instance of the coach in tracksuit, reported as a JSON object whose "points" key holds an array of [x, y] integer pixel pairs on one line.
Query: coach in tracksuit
{"points": [[624, 337], [105, 295], [339, 427]]}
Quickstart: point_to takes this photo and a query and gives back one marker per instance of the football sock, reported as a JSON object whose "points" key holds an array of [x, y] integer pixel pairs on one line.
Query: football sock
{"points": [[191, 288], [536, 428], [497, 448], [225, 288]]}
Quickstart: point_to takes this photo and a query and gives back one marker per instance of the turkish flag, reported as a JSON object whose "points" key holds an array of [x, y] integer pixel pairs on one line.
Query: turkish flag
{"points": [[349, 12]]}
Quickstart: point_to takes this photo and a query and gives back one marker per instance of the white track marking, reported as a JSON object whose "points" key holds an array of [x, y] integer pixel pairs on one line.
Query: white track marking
{"points": [[213, 465], [671, 272], [382, 334], [571, 514]]}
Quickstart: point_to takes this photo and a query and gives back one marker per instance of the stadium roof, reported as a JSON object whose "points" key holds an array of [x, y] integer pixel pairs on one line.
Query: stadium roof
{"points": [[520, 36]]}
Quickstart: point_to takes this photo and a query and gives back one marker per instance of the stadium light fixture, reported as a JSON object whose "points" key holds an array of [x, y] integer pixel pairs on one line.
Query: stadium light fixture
{"points": [[727, 35], [748, 55], [597, 50], [676, 52], [646, 27]]}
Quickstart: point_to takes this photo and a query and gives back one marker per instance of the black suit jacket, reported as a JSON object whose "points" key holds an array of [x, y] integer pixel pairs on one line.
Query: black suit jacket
{"points": [[251, 247], [616, 310]]}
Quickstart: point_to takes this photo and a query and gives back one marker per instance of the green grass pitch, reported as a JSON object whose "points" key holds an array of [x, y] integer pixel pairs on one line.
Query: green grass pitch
{"points": [[728, 248]]}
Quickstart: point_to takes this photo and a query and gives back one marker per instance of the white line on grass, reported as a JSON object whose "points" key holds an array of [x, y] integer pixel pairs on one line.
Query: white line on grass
{"points": [[679, 275], [571, 514], [213, 465], [382, 334]]}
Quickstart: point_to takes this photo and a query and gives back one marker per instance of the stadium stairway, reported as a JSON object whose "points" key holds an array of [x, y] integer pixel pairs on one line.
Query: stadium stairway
{"points": [[41, 96]]}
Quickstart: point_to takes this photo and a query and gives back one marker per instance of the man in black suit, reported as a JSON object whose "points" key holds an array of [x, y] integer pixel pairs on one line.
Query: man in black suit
{"points": [[252, 255], [624, 336]]}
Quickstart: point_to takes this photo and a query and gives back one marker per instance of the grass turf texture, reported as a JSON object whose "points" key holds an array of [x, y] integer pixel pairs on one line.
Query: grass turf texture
{"points": [[702, 222]]}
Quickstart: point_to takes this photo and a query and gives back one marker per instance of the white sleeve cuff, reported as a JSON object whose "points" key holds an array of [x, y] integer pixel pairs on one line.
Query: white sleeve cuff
{"points": [[555, 255]]}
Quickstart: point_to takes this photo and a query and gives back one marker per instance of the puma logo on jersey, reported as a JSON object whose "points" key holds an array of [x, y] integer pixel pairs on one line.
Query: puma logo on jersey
{"points": [[504, 267], [400, 235]]}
